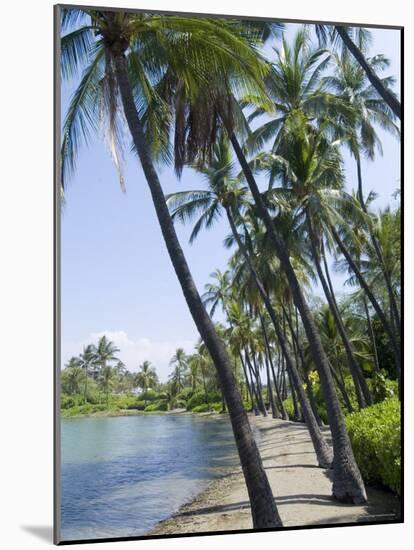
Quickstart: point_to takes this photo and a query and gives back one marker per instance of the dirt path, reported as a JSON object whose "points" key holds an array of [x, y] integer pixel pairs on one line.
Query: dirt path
{"points": [[302, 490]]}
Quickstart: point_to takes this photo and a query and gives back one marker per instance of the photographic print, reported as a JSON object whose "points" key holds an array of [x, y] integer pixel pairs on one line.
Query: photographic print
{"points": [[228, 274]]}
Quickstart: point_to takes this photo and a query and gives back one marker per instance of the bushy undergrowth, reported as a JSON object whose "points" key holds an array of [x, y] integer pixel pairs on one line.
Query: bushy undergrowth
{"points": [[375, 434], [379, 386], [200, 398], [157, 406]]}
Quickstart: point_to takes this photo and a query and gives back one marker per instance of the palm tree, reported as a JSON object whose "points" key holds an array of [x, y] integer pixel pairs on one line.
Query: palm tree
{"points": [[73, 374], [128, 51], [294, 84], [180, 363], [355, 40], [146, 378], [105, 352], [347, 482], [87, 359], [107, 376], [350, 84], [225, 194]]}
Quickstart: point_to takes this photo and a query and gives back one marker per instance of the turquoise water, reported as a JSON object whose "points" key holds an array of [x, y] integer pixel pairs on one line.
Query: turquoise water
{"points": [[122, 475]]}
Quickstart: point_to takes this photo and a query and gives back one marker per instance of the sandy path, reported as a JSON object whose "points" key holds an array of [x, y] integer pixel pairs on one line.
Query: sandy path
{"points": [[302, 490]]}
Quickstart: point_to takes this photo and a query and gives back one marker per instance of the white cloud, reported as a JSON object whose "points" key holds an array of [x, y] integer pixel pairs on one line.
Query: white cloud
{"points": [[134, 352]]}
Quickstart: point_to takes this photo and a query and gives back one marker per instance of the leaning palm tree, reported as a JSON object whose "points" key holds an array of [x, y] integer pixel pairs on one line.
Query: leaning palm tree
{"points": [[123, 54], [347, 481], [349, 82], [225, 195], [356, 40]]}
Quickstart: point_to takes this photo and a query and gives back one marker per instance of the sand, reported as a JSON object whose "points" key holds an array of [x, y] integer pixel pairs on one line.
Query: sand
{"points": [[302, 490]]}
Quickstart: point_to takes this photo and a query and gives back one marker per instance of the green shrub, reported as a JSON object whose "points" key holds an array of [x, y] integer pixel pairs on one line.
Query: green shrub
{"points": [[156, 406], [137, 405], [375, 434], [381, 388], [288, 404], [201, 408], [180, 404], [149, 395], [185, 394], [83, 409], [200, 398]]}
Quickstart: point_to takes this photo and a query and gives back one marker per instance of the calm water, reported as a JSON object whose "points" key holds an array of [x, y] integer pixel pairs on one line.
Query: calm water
{"points": [[122, 475]]}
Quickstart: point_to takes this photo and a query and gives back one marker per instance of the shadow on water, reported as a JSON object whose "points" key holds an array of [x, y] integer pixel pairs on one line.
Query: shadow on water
{"points": [[42, 532]]}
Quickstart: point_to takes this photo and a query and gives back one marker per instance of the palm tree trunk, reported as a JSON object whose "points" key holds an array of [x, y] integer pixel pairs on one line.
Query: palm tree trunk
{"points": [[309, 391], [268, 357], [279, 397], [361, 388], [322, 449], [347, 480], [255, 386], [372, 299], [371, 337], [249, 389], [386, 95], [380, 257], [86, 384], [275, 412], [263, 506]]}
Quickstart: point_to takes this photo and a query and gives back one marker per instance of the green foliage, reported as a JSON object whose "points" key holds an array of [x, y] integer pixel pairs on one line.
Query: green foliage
{"points": [[185, 394], [200, 398], [382, 388], [157, 406], [69, 401], [83, 410], [180, 404], [384, 348], [288, 404], [376, 442], [201, 408], [149, 395]]}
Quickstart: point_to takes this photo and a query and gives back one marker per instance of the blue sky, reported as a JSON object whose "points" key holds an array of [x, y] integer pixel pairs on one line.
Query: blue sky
{"points": [[117, 278]]}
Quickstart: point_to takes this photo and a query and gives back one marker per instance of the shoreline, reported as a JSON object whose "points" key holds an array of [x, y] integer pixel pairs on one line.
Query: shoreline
{"points": [[134, 412], [302, 490]]}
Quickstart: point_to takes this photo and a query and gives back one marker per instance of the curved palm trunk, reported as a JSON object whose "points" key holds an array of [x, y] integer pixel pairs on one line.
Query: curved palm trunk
{"points": [[249, 387], [268, 357], [380, 257], [279, 398], [386, 95], [263, 506], [309, 391], [275, 412], [255, 386], [394, 342], [361, 388], [322, 450], [347, 480], [371, 337], [249, 390]]}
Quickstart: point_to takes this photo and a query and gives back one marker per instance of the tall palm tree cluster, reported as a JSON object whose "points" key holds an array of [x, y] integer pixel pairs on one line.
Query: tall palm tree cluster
{"points": [[99, 368], [268, 133]]}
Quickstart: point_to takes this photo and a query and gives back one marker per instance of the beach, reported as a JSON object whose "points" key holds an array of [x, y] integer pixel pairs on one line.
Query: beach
{"points": [[302, 490]]}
